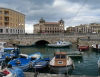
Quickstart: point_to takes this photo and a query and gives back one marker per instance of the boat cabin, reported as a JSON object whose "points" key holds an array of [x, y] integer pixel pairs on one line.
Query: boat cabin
{"points": [[60, 59]]}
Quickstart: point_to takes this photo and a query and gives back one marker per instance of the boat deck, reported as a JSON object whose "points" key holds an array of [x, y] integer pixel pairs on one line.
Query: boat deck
{"points": [[32, 74]]}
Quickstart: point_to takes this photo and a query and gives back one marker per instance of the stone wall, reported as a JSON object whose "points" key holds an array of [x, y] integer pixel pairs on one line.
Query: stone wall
{"points": [[28, 39]]}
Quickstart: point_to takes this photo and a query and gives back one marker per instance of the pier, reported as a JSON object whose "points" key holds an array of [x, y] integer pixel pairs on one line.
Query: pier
{"points": [[32, 74]]}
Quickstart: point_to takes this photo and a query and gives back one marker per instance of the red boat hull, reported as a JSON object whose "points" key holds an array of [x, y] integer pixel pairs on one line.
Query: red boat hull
{"points": [[82, 48]]}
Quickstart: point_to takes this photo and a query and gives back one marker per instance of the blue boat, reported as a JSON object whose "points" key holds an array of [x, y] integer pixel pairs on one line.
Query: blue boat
{"points": [[25, 61], [41, 64], [7, 53], [12, 72]]}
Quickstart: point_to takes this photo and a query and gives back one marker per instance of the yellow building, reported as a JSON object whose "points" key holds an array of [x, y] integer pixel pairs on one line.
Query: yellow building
{"points": [[49, 27], [11, 22]]}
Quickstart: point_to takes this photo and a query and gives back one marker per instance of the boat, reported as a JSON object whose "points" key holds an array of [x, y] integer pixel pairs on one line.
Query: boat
{"points": [[83, 47], [25, 61], [61, 63], [4, 54], [98, 63], [60, 44], [41, 64], [11, 72], [96, 47]]}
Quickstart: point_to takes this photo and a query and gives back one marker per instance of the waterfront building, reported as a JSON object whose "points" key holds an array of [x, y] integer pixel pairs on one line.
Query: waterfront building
{"points": [[85, 28], [70, 29], [11, 22], [49, 27], [95, 27]]}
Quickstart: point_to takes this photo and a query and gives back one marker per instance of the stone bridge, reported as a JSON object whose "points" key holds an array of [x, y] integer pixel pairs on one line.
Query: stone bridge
{"points": [[29, 39]]}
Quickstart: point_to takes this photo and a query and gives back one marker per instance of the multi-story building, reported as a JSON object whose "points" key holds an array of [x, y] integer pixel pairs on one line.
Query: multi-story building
{"points": [[85, 28], [11, 22], [49, 27], [95, 27], [70, 29]]}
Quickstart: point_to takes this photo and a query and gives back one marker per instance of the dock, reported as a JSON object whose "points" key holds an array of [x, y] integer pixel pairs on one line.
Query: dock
{"points": [[32, 74]]}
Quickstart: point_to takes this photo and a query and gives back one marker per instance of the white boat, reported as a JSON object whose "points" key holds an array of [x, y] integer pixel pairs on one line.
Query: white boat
{"points": [[98, 63], [61, 63], [60, 44], [96, 47]]}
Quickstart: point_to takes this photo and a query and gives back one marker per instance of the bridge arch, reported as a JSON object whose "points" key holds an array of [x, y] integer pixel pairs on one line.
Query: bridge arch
{"points": [[41, 42]]}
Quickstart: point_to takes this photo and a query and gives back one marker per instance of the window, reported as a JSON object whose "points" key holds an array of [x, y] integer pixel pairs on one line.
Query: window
{"points": [[63, 57], [60, 62], [1, 30], [57, 56], [6, 30], [0, 12]]}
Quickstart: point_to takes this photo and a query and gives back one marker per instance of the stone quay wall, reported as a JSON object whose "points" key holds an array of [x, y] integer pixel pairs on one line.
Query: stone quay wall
{"points": [[29, 39]]}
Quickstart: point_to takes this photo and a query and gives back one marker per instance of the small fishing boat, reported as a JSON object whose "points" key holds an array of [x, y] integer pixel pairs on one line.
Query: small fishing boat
{"points": [[61, 63], [4, 54], [41, 64], [25, 61], [96, 47], [11, 72], [83, 47], [60, 44]]}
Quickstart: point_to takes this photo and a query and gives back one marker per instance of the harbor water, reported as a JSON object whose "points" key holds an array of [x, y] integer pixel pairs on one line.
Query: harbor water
{"points": [[87, 65]]}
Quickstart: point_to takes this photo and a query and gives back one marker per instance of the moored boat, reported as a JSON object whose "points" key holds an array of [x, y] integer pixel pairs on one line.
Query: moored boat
{"points": [[83, 47], [11, 72], [98, 63], [41, 64], [24, 61], [61, 63], [4, 54], [60, 44], [96, 47]]}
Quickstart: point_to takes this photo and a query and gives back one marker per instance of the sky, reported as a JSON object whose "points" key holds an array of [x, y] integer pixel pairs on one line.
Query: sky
{"points": [[73, 12]]}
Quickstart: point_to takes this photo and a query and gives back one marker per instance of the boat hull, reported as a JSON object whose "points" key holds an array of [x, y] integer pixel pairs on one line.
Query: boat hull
{"points": [[95, 49], [56, 46], [65, 69], [83, 48]]}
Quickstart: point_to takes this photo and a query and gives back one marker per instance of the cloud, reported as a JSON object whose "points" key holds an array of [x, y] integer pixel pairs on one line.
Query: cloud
{"points": [[74, 12]]}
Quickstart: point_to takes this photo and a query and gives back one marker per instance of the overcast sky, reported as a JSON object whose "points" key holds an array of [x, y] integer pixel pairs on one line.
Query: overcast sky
{"points": [[73, 12]]}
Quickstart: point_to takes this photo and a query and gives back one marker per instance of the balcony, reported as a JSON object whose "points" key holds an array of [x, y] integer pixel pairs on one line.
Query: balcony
{"points": [[6, 19], [6, 13]]}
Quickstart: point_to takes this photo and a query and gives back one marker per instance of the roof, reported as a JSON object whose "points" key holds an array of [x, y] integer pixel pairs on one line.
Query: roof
{"points": [[51, 22], [12, 10], [63, 53]]}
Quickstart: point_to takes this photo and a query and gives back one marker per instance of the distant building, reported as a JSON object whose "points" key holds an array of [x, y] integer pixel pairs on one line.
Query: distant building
{"points": [[11, 22], [85, 28], [49, 27], [70, 30]]}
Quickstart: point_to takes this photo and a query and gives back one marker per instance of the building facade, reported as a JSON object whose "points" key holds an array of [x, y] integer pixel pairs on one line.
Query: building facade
{"points": [[85, 28], [11, 22], [49, 27]]}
